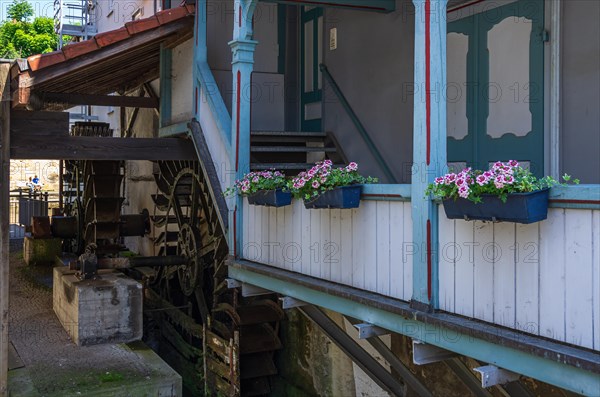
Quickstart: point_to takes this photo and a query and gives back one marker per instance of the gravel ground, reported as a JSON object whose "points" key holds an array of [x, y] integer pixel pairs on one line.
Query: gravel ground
{"points": [[56, 366]]}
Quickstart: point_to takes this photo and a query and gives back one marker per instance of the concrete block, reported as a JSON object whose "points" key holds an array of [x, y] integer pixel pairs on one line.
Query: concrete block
{"points": [[41, 251], [106, 310]]}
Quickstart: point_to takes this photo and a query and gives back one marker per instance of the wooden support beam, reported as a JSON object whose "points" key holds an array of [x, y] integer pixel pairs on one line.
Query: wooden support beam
{"points": [[93, 148], [4, 222], [25, 122], [99, 100]]}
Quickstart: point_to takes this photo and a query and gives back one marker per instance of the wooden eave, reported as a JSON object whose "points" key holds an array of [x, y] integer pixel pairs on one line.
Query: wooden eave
{"points": [[112, 62]]}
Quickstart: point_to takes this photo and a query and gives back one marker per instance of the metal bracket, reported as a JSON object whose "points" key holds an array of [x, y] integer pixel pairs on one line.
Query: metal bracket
{"points": [[287, 302], [366, 331], [424, 353], [253, 290], [231, 283], [492, 375]]}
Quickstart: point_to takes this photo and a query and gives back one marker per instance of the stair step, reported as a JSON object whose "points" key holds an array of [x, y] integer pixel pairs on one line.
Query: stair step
{"points": [[285, 139], [258, 338], [289, 133], [257, 365], [285, 166], [291, 149]]}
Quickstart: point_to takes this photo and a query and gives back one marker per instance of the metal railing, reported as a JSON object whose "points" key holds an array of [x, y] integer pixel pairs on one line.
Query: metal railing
{"points": [[357, 123], [24, 205]]}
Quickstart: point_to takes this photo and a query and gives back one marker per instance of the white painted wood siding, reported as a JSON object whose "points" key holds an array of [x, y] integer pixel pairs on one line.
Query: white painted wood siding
{"points": [[368, 248], [542, 278]]}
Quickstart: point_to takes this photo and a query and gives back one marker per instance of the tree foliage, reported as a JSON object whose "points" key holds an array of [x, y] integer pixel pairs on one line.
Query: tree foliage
{"points": [[20, 11], [20, 38]]}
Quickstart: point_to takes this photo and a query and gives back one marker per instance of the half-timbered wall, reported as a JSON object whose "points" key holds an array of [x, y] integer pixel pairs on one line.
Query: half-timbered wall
{"points": [[368, 248], [542, 278]]}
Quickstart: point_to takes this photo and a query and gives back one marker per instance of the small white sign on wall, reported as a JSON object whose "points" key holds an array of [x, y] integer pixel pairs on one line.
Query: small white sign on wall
{"points": [[333, 43]]}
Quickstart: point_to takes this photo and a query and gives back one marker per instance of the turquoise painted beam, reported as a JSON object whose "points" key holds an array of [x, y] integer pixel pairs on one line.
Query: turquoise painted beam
{"points": [[386, 192], [363, 5], [207, 85], [575, 196], [206, 93], [556, 373], [429, 143], [242, 48]]}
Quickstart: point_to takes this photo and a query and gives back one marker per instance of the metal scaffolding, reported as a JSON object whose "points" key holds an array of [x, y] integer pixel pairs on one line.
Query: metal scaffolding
{"points": [[75, 18]]}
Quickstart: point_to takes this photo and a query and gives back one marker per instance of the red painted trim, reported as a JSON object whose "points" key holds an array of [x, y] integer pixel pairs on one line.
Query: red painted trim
{"points": [[237, 119], [325, 3], [429, 260], [235, 232], [428, 76]]}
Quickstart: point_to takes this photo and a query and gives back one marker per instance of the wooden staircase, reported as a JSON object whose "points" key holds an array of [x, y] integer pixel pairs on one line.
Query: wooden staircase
{"points": [[293, 152]]}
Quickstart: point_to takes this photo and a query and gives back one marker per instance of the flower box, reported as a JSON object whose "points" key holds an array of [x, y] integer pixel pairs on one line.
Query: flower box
{"points": [[519, 207], [340, 197], [270, 198]]}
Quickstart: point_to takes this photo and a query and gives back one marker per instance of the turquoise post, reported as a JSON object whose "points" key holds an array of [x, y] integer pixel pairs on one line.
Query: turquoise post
{"points": [[429, 145], [242, 48]]}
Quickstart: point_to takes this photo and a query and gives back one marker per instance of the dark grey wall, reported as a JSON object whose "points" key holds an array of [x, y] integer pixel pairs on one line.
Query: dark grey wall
{"points": [[267, 85], [373, 65], [580, 132]]}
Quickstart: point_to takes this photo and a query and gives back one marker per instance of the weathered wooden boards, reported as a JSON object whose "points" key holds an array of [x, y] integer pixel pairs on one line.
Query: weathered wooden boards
{"points": [[369, 248], [542, 278]]}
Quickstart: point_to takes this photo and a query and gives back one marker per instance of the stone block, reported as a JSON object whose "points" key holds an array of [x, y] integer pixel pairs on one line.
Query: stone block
{"points": [[41, 251], [105, 310]]}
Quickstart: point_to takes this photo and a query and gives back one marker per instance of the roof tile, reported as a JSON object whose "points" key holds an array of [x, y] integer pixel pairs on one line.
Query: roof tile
{"points": [[111, 37], [171, 14], [42, 60], [104, 39], [141, 25], [78, 49]]}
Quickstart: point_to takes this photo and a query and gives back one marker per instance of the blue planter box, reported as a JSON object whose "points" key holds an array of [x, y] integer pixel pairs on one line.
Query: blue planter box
{"points": [[519, 207], [341, 197], [271, 198]]}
